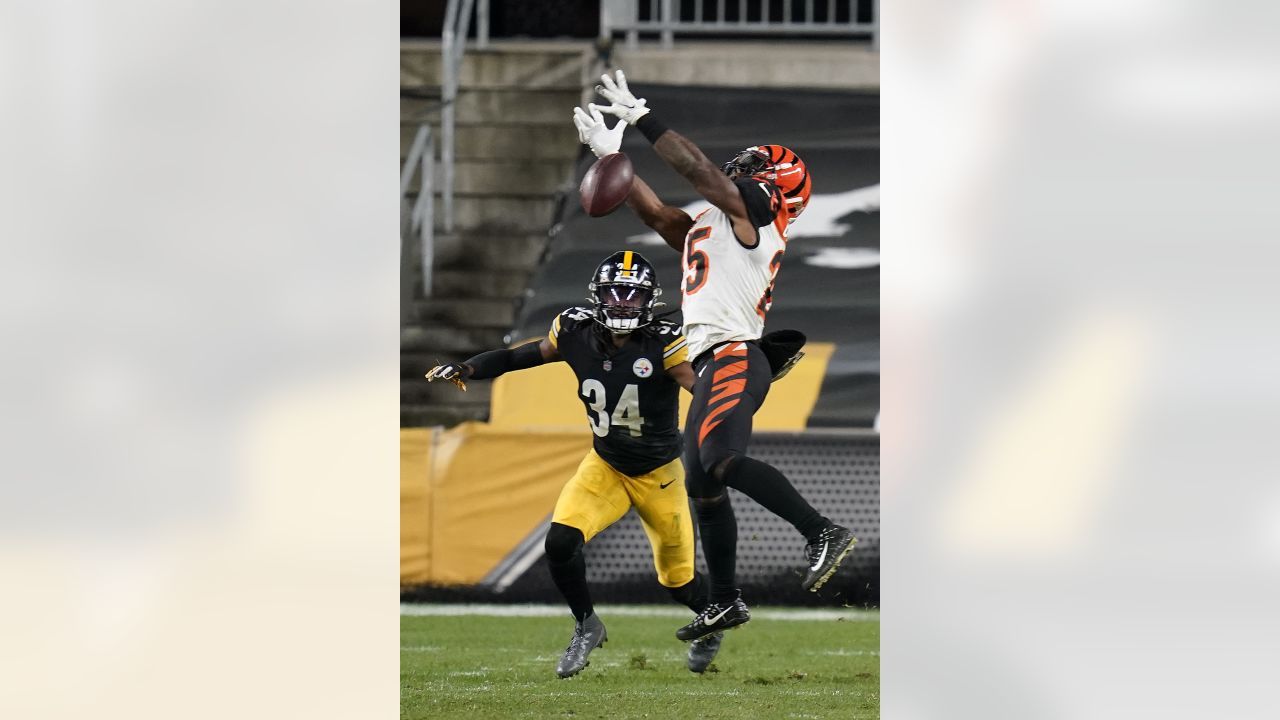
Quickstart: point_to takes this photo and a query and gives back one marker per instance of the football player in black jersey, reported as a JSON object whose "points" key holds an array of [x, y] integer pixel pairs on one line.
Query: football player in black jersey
{"points": [[630, 369]]}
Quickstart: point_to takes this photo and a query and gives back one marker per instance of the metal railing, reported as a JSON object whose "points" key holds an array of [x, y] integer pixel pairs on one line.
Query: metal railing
{"points": [[421, 157], [421, 224], [457, 20], [797, 17], [482, 24]]}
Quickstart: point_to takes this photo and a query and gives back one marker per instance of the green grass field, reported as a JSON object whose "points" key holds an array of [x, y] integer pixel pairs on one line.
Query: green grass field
{"points": [[479, 667]]}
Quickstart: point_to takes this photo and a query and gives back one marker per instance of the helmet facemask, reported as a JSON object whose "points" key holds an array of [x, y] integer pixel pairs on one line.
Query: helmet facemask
{"points": [[787, 172], [623, 307], [624, 292], [747, 163]]}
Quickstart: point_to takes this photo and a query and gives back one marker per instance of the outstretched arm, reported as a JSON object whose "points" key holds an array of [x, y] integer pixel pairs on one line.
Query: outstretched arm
{"points": [[670, 222], [681, 154], [492, 363], [687, 159]]}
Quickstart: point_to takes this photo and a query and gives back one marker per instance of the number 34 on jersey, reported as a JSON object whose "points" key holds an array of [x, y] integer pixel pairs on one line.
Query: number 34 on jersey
{"points": [[625, 414]]}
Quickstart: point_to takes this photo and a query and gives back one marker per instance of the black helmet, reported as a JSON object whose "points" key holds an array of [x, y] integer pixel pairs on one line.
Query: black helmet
{"points": [[624, 292]]}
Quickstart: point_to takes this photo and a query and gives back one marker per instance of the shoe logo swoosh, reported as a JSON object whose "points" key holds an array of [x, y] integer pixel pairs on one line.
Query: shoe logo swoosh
{"points": [[821, 557], [713, 620], [664, 487]]}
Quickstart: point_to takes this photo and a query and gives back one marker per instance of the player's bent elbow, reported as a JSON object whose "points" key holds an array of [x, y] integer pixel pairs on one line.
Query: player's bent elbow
{"points": [[673, 226], [721, 192]]}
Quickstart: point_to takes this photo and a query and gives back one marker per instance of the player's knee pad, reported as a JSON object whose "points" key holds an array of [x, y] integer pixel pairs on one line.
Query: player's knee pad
{"points": [[562, 542], [717, 463], [675, 577], [700, 484]]}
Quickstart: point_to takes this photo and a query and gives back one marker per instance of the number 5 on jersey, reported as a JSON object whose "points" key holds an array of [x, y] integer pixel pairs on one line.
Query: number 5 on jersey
{"points": [[626, 414], [696, 262]]}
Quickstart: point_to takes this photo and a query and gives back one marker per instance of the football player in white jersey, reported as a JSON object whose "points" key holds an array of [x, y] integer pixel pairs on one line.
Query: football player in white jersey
{"points": [[732, 252]]}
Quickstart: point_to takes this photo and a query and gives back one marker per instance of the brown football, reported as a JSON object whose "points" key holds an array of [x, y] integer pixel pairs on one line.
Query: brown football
{"points": [[606, 184]]}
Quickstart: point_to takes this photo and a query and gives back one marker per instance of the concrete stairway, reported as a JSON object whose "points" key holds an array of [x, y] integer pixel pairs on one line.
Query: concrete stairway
{"points": [[515, 149]]}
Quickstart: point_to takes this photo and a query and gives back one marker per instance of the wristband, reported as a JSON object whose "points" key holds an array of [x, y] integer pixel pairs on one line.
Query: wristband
{"points": [[651, 127]]}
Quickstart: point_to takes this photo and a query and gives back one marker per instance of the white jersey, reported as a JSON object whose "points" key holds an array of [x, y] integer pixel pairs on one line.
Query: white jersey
{"points": [[728, 288]]}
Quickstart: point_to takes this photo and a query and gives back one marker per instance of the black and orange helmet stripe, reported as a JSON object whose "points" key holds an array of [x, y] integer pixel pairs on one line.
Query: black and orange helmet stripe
{"points": [[800, 186], [765, 162]]}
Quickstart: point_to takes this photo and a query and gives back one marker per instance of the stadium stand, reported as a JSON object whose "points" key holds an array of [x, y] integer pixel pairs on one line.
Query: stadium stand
{"points": [[512, 157]]}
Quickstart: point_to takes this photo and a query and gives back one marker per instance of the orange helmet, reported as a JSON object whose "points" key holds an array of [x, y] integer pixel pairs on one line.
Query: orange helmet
{"points": [[778, 165]]}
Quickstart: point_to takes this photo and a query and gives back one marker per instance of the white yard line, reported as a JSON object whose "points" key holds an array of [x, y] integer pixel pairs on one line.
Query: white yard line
{"points": [[492, 610]]}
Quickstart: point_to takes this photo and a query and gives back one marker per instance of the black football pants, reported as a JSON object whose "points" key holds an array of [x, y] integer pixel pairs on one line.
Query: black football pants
{"points": [[732, 382]]}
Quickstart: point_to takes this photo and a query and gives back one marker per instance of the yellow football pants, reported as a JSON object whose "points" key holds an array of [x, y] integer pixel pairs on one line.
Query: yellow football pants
{"points": [[598, 496]]}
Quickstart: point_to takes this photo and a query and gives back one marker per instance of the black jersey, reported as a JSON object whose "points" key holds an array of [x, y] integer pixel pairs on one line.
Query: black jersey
{"points": [[633, 406]]}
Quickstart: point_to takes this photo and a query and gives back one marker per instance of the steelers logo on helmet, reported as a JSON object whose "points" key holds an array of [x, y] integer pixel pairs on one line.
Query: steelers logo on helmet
{"points": [[624, 292], [778, 165]]}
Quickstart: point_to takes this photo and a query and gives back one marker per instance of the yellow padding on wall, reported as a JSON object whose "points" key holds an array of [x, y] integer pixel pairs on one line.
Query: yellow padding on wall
{"points": [[487, 488], [544, 396], [415, 504], [547, 396], [792, 398]]}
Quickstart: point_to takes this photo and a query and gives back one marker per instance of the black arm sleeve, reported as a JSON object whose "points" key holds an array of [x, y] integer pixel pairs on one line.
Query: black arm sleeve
{"points": [[493, 363], [763, 200]]}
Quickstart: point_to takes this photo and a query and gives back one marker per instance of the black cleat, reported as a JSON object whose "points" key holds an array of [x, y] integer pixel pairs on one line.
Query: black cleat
{"points": [[714, 618], [703, 650], [587, 636], [825, 554]]}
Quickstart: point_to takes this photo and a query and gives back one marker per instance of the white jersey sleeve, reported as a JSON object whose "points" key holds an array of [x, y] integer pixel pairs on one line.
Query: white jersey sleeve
{"points": [[728, 288]]}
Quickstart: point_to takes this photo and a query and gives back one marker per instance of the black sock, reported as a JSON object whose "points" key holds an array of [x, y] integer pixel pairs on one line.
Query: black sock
{"points": [[719, 530], [569, 568], [571, 578], [692, 594], [764, 484]]}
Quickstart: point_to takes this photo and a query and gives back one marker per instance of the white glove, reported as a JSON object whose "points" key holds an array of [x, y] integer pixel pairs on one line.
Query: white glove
{"points": [[625, 105], [595, 134]]}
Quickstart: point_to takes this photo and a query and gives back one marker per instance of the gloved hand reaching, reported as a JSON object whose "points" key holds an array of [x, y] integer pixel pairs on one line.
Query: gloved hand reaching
{"points": [[456, 373], [593, 133], [624, 104]]}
